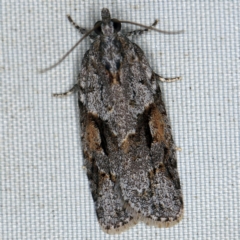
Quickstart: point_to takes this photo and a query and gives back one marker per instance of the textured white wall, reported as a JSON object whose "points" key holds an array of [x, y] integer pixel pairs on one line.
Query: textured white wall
{"points": [[45, 193]]}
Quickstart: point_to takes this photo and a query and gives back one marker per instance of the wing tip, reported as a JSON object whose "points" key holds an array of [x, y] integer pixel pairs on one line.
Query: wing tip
{"points": [[163, 222], [112, 230], [124, 226]]}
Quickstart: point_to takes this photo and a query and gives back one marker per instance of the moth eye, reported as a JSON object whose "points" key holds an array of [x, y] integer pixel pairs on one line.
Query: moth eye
{"points": [[116, 25], [98, 29]]}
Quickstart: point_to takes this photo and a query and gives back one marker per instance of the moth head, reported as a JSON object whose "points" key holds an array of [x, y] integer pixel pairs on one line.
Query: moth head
{"points": [[107, 26]]}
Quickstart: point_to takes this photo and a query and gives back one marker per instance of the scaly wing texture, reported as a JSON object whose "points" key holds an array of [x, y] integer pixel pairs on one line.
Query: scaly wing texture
{"points": [[149, 179], [128, 148], [114, 215]]}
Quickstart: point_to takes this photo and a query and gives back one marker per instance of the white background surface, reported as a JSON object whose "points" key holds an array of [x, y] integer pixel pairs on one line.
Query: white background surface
{"points": [[45, 192]]}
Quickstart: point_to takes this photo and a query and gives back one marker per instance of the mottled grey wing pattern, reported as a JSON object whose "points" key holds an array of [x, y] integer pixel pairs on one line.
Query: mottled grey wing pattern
{"points": [[114, 214], [127, 144], [149, 178], [128, 148]]}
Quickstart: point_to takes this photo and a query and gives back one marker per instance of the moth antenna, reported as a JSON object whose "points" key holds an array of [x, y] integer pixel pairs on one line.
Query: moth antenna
{"points": [[90, 31], [152, 28], [57, 63]]}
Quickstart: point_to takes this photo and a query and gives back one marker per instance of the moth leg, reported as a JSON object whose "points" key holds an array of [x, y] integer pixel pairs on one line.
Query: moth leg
{"points": [[74, 89], [140, 31], [168, 80], [80, 29], [178, 149]]}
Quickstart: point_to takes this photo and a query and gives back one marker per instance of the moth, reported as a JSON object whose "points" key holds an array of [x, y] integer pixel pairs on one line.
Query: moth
{"points": [[126, 137]]}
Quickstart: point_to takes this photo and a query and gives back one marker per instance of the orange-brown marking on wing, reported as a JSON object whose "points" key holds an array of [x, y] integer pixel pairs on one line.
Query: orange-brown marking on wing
{"points": [[92, 136], [157, 125], [161, 168], [125, 145], [113, 77]]}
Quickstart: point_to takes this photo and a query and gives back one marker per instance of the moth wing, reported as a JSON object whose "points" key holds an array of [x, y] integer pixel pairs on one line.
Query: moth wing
{"points": [[149, 179], [113, 213]]}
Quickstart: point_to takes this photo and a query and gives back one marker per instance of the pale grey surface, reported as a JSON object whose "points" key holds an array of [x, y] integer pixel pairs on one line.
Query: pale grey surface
{"points": [[45, 192]]}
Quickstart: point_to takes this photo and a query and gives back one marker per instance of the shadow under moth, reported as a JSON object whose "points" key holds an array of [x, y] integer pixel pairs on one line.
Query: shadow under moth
{"points": [[127, 144]]}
